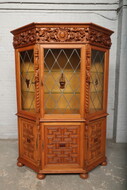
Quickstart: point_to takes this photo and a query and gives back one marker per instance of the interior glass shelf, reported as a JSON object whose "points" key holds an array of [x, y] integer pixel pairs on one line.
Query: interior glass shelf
{"points": [[27, 72], [56, 71], [25, 91], [62, 92], [61, 111], [97, 72], [97, 91]]}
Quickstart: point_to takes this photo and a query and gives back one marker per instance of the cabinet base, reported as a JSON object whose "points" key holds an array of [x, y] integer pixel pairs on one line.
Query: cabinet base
{"points": [[19, 164], [84, 176], [41, 176]]}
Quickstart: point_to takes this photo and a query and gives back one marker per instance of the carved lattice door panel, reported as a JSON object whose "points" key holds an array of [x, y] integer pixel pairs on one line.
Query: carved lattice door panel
{"points": [[29, 141], [95, 137], [62, 145]]}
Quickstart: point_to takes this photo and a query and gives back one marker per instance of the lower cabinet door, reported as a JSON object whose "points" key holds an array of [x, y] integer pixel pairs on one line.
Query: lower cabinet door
{"points": [[62, 146], [95, 141], [28, 141]]}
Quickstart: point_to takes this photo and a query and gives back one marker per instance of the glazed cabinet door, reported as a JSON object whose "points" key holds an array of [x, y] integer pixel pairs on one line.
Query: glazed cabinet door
{"points": [[63, 82], [27, 77], [96, 80], [62, 146]]}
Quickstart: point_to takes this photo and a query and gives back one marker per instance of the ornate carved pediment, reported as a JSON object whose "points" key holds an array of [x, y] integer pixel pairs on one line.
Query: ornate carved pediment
{"points": [[68, 34]]}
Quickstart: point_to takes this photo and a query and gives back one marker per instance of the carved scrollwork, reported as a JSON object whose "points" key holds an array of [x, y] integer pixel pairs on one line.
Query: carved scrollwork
{"points": [[62, 34], [26, 37], [99, 38]]}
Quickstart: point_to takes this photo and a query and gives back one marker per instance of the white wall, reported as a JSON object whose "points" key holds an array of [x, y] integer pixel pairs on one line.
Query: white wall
{"points": [[14, 15], [121, 74]]}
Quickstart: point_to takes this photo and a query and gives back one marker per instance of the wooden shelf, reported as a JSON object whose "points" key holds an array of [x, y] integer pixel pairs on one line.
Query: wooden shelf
{"points": [[97, 72], [99, 91], [62, 111], [59, 71], [28, 91], [62, 93], [27, 72]]}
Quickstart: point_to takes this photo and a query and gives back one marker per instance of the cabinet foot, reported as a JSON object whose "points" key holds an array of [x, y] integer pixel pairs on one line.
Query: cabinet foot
{"points": [[84, 176], [104, 163], [41, 176], [19, 164]]}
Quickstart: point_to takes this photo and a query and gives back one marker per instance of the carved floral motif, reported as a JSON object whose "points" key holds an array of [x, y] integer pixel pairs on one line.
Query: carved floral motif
{"points": [[62, 34]]}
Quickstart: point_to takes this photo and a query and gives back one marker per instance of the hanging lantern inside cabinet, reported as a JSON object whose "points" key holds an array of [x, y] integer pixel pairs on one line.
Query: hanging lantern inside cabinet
{"points": [[96, 82], [27, 82], [62, 81]]}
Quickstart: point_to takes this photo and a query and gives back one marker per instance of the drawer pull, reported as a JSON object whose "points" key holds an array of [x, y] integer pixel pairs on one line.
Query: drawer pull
{"points": [[96, 140], [28, 140], [62, 145]]}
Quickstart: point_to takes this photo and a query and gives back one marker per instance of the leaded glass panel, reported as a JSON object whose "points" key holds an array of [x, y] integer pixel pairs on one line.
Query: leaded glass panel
{"points": [[27, 80], [96, 81], [62, 81]]}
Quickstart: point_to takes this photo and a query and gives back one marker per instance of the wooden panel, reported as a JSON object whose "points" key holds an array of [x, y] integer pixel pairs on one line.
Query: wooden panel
{"points": [[28, 141], [95, 140], [62, 145]]}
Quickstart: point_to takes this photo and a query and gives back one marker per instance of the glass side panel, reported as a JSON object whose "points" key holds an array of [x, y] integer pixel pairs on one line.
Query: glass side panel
{"points": [[27, 80], [96, 81], [62, 81]]}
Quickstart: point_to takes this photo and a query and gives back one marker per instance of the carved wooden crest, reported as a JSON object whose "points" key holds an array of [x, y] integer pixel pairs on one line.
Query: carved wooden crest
{"points": [[69, 34]]}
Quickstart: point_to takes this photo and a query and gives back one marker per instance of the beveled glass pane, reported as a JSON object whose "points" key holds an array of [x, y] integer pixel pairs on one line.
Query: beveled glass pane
{"points": [[62, 81], [27, 80], [96, 81]]}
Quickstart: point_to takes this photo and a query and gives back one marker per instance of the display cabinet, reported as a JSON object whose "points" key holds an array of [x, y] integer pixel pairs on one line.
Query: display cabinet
{"points": [[62, 86]]}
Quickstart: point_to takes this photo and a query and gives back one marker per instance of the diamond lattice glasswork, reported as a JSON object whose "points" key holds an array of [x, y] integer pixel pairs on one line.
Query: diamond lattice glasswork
{"points": [[27, 80], [62, 81], [97, 81]]}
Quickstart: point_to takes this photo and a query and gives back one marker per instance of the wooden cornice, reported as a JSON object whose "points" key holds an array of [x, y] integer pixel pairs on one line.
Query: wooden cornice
{"points": [[49, 33]]}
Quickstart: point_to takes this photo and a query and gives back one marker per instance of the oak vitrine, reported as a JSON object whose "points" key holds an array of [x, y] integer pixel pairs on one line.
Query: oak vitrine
{"points": [[62, 85]]}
